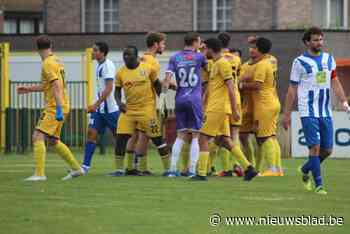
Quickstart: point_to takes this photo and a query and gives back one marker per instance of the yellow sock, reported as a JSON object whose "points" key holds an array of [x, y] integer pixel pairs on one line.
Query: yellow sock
{"points": [[166, 162], [234, 160], [203, 163], [130, 160], [250, 152], [39, 157], [66, 155], [144, 163], [268, 154], [258, 159], [278, 158], [239, 156], [213, 154], [185, 156], [225, 156]]}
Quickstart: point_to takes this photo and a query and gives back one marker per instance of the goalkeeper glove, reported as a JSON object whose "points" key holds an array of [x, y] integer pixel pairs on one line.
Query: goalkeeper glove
{"points": [[59, 113]]}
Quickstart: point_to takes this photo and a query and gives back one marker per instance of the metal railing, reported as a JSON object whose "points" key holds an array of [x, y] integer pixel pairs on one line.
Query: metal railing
{"points": [[24, 112]]}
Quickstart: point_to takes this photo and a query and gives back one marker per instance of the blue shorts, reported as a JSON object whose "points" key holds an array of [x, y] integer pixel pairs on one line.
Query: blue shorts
{"points": [[318, 131], [189, 116], [100, 121]]}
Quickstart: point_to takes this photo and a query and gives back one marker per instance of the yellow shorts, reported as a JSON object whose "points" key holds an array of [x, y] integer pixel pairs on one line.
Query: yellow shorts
{"points": [[237, 123], [147, 123], [216, 124], [49, 125], [265, 122]]}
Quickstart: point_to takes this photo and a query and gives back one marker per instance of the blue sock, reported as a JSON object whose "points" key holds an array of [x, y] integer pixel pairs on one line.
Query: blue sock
{"points": [[316, 170], [308, 165], [89, 151]]}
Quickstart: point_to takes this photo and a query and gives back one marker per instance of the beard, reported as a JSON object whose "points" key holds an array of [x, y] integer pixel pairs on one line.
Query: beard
{"points": [[316, 50]]}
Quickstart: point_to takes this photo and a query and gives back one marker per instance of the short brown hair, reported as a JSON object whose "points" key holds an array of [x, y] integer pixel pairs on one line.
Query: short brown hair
{"points": [[154, 37], [311, 31], [43, 42], [190, 37]]}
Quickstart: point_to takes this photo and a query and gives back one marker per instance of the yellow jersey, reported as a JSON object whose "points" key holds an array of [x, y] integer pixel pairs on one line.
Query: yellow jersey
{"points": [[267, 95], [138, 87], [274, 62], [206, 71], [52, 70], [151, 60], [218, 97], [235, 62], [246, 96]]}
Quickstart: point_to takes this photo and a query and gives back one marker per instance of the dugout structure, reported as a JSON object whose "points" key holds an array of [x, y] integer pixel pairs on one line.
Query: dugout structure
{"points": [[20, 113]]}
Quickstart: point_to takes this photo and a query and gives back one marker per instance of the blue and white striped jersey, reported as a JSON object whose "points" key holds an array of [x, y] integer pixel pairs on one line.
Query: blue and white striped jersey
{"points": [[106, 71], [313, 76]]}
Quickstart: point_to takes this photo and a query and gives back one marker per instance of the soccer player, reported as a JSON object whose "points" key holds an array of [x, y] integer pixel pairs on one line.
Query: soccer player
{"points": [[155, 42], [313, 78], [247, 129], [266, 104], [186, 66], [104, 112], [247, 125], [55, 112], [138, 80], [235, 61], [221, 104]]}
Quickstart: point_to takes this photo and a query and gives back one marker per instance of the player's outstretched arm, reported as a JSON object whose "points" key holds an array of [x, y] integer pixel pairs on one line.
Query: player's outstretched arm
{"points": [[339, 92], [250, 85], [290, 98], [29, 89]]}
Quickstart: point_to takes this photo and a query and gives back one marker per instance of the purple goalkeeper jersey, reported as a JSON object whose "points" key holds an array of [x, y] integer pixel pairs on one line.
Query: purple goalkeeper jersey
{"points": [[186, 66]]}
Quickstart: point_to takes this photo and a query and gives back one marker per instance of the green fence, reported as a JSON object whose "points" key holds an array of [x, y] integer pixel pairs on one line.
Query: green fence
{"points": [[24, 112]]}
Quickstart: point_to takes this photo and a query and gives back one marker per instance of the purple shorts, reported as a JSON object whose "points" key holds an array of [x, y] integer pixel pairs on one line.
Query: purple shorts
{"points": [[189, 116]]}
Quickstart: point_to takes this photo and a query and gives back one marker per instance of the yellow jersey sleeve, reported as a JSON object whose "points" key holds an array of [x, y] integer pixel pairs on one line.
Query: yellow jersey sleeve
{"points": [[118, 77], [225, 70], [153, 74], [52, 71], [261, 71]]}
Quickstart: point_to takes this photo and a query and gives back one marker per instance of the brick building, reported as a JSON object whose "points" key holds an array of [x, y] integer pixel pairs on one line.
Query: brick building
{"points": [[96, 16], [186, 15]]}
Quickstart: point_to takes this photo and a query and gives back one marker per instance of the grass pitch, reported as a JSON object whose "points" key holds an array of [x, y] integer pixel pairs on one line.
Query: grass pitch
{"points": [[100, 204]]}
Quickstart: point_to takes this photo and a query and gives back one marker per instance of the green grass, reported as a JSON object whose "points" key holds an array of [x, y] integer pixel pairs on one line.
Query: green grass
{"points": [[97, 203]]}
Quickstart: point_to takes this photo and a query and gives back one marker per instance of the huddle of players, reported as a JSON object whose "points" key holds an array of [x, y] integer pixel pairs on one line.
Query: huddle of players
{"points": [[208, 106], [227, 119]]}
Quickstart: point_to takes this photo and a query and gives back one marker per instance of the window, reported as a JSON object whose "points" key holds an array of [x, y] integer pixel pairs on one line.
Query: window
{"points": [[330, 13], [10, 26], [100, 15], [26, 26], [212, 15], [23, 25]]}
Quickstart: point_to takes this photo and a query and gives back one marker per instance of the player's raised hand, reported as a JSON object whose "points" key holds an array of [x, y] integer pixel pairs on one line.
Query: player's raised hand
{"points": [[23, 89], [286, 121]]}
